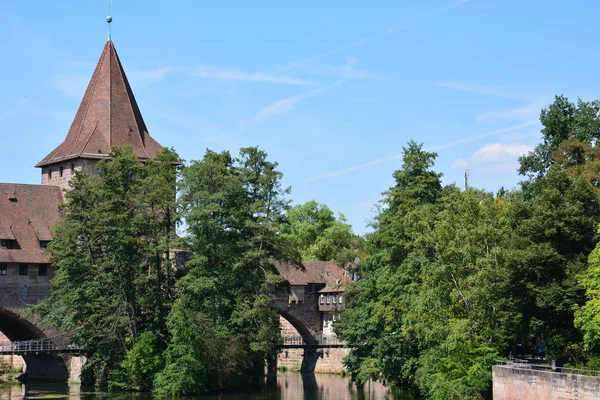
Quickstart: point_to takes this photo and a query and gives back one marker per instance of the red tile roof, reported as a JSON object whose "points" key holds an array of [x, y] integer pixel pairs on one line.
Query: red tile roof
{"points": [[27, 212], [108, 116], [327, 272]]}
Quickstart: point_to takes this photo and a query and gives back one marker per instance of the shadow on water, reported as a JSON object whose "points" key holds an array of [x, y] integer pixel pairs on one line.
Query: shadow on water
{"points": [[283, 386]]}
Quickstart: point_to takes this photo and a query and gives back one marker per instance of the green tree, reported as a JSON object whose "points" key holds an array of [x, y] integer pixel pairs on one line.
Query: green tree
{"points": [[562, 120], [587, 318], [380, 299], [111, 256], [319, 235], [551, 236], [435, 305], [233, 208]]}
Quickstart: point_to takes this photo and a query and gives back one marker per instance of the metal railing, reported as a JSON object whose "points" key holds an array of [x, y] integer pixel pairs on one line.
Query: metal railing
{"points": [[56, 344], [317, 340], [524, 364]]}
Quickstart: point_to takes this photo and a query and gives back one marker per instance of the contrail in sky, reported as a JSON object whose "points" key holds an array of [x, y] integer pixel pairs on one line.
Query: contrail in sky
{"points": [[333, 174]]}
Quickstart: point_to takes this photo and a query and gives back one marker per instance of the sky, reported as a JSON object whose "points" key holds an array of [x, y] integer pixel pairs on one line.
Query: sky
{"points": [[332, 91]]}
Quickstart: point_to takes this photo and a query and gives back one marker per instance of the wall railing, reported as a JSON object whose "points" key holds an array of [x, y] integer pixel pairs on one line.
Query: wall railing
{"points": [[525, 364]]}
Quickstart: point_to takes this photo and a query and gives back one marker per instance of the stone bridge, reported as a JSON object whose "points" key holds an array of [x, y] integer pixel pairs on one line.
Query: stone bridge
{"points": [[308, 305], [16, 325]]}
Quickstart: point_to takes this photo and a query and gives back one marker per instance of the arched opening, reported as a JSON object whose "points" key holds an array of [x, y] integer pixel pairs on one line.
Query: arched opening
{"points": [[300, 327], [38, 367], [301, 359]]}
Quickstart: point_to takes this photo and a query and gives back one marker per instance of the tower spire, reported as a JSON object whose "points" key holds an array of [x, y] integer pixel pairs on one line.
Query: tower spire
{"points": [[109, 19]]}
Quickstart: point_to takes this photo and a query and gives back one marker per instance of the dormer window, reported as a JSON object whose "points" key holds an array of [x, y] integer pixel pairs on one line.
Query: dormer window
{"points": [[44, 243], [8, 243]]}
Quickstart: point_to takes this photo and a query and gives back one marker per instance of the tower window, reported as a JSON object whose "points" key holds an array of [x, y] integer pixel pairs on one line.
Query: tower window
{"points": [[72, 167], [43, 270], [23, 269], [61, 172], [44, 243], [49, 173], [3, 269]]}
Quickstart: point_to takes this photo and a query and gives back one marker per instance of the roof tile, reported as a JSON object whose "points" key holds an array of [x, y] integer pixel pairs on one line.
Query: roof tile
{"points": [[29, 220]]}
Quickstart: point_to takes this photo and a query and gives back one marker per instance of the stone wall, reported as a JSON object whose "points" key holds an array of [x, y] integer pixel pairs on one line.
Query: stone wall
{"points": [[28, 288], [511, 383], [61, 174]]}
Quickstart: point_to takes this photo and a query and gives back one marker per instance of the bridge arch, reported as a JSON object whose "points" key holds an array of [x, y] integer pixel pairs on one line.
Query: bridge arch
{"points": [[41, 367], [300, 326]]}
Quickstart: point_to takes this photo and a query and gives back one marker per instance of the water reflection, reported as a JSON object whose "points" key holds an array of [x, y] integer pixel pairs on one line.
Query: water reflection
{"points": [[284, 386]]}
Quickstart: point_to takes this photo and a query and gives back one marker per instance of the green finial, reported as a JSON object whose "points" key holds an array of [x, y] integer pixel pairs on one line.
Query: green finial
{"points": [[109, 19]]}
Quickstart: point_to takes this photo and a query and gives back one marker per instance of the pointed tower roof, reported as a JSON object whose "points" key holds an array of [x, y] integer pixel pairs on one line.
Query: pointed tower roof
{"points": [[108, 116]]}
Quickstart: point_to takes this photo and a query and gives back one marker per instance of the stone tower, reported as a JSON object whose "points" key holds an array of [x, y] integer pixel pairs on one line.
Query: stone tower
{"points": [[108, 116]]}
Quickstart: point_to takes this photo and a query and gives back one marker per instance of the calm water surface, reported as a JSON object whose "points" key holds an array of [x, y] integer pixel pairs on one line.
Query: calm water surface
{"points": [[288, 386]]}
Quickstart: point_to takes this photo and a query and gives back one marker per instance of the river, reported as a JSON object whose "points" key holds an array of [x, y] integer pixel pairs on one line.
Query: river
{"points": [[283, 386]]}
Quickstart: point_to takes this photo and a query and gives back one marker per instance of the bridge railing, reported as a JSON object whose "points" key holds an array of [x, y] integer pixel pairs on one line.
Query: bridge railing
{"points": [[319, 340], [54, 344]]}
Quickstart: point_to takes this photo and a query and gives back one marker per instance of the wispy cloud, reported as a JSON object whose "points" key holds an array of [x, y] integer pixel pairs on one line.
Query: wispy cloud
{"points": [[208, 72], [485, 135], [279, 107], [452, 4], [494, 157], [333, 174], [285, 105], [531, 110], [483, 89], [152, 75], [520, 136], [14, 108], [378, 35], [7, 114], [72, 85]]}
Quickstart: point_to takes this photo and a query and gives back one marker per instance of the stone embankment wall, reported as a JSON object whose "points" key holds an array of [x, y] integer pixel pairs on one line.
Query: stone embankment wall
{"points": [[512, 383], [328, 360]]}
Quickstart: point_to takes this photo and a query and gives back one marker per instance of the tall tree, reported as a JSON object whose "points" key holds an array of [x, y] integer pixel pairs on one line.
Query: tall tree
{"points": [[434, 306], [378, 301], [233, 208], [111, 255], [553, 230]]}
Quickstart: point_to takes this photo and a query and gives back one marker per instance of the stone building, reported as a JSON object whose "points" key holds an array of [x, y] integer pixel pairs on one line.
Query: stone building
{"points": [[108, 116]]}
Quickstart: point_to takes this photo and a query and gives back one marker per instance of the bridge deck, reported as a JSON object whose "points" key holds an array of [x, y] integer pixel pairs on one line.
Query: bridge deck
{"points": [[55, 345], [317, 342], [311, 346]]}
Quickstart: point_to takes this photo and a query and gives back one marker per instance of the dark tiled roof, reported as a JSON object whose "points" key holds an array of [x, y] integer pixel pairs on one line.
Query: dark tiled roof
{"points": [[108, 116], [27, 212], [324, 272]]}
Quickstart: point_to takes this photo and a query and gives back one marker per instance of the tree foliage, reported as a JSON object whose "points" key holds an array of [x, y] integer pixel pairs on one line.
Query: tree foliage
{"points": [[455, 279], [113, 279], [222, 326], [319, 234]]}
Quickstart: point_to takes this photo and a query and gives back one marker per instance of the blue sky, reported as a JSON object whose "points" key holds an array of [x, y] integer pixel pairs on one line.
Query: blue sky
{"points": [[331, 90]]}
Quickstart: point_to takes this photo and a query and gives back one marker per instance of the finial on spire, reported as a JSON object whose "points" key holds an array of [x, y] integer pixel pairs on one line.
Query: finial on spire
{"points": [[109, 19]]}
